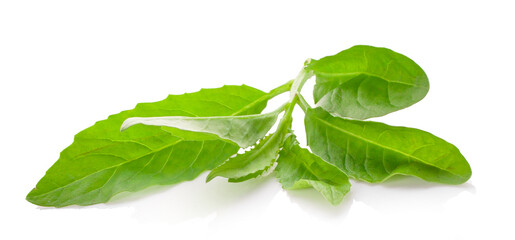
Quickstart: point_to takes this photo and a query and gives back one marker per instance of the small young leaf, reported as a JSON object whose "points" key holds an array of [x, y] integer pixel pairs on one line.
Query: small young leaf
{"points": [[102, 161], [363, 82], [250, 164], [242, 130], [258, 160], [298, 168], [373, 151]]}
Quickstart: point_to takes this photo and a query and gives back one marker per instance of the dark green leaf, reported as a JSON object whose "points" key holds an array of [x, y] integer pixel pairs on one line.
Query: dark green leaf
{"points": [[102, 161], [364, 81], [298, 168], [373, 151]]}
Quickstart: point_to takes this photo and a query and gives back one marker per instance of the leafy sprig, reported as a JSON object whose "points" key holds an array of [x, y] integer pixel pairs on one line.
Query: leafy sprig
{"points": [[177, 139]]}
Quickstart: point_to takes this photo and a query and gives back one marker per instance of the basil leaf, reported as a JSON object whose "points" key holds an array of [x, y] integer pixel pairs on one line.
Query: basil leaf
{"points": [[242, 130], [102, 161], [363, 82], [373, 151], [298, 168], [258, 160]]}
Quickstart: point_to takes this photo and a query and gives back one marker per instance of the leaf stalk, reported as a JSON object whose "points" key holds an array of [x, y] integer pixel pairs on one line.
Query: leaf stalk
{"points": [[303, 103]]}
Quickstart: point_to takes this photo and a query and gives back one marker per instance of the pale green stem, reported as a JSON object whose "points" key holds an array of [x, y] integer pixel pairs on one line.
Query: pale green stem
{"points": [[273, 93], [288, 113], [303, 103], [299, 81], [281, 89], [297, 85]]}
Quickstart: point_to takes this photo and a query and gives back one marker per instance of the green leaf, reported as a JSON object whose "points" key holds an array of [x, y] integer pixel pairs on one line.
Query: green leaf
{"points": [[242, 130], [298, 168], [258, 160], [102, 161], [250, 164], [363, 82], [373, 151]]}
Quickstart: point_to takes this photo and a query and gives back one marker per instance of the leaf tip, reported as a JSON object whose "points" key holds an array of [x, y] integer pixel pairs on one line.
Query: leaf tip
{"points": [[34, 199], [210, 177]]}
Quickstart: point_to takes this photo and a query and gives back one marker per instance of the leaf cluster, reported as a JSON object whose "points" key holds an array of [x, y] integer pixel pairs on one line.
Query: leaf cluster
{"points": [[176, 139]]}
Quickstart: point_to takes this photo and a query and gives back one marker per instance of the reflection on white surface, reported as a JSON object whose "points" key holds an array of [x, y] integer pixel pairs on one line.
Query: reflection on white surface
{"points": [[218, 202], [407, 193], [197, 199]]}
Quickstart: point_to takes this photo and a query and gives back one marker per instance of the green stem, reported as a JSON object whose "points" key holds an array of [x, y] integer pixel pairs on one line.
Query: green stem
{"points": [[281, 89], [303, 103], [294, 86], [290, 108], [286, 119], [299, 81], [273, 93]]}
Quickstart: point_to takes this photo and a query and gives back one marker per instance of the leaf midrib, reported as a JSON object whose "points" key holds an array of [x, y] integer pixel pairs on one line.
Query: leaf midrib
{"points": [[265, 97], [369, 74], [113, 166], [380, 145]]}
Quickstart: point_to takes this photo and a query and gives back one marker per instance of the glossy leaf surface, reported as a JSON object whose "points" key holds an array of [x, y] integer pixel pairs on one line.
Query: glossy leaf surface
{"points": [[363, 82], [298, 168], [373, 151], [102, 161]]}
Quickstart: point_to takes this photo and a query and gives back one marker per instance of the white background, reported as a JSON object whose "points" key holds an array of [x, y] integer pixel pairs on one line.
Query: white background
{"points": [[66, 64]]}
